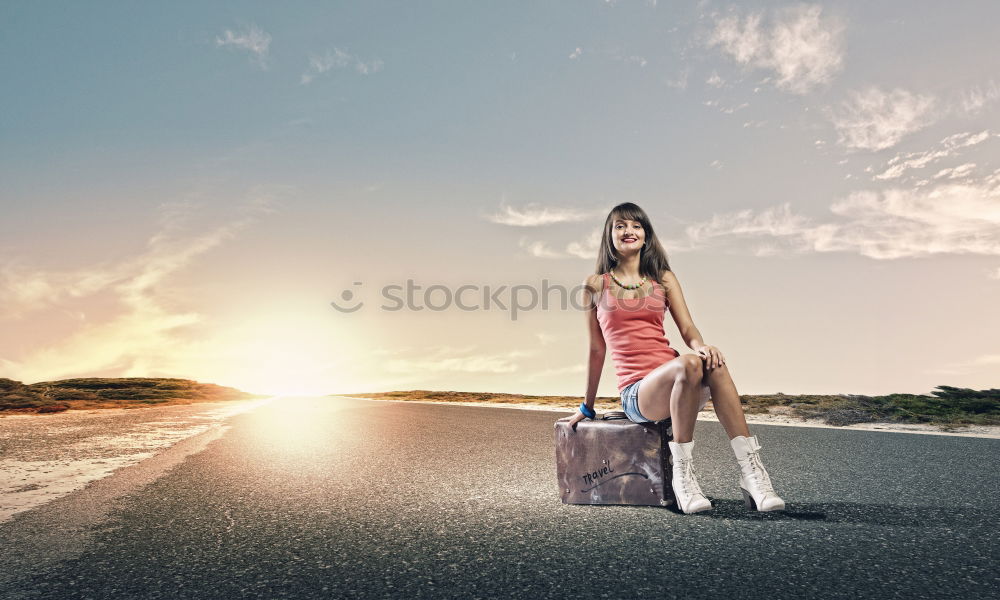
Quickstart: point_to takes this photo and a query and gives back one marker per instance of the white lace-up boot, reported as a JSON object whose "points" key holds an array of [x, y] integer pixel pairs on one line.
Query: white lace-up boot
{"points": [[686, 488], [754, 480]]}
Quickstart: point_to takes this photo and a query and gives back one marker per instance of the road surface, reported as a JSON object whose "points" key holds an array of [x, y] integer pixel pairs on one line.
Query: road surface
{"points": [[353, 498]]}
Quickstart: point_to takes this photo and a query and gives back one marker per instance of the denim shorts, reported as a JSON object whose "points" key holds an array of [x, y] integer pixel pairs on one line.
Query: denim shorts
{"points": [[630, 402]]}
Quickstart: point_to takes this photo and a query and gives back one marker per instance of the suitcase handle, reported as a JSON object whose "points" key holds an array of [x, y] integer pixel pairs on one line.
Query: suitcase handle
{"points": [[611, 415]]}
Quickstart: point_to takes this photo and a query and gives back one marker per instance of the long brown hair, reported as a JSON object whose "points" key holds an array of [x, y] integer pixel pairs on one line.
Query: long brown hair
{"points": [[652, 259]]}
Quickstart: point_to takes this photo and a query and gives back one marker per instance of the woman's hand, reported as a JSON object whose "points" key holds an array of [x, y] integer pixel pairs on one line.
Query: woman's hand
{"points": [[579, 416], [712, 357]]}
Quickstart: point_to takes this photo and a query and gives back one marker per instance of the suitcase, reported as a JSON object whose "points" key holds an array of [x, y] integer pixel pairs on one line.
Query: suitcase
{"points": [[612, 460]]}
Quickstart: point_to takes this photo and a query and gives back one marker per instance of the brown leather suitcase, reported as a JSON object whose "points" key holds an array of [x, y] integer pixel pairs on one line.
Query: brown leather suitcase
{"points": [[611, 460]]}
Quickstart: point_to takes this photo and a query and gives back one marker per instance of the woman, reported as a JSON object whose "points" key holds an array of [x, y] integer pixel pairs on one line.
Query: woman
{"points": [[626, 300]]}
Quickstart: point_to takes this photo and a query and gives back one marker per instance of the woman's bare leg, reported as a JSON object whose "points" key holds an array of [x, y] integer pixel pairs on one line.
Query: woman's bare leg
{"points": [[726, 401], [674, 390]]}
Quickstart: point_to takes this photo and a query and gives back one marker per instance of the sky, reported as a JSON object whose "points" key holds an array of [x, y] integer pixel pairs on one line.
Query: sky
{"points": [[186, 189]]}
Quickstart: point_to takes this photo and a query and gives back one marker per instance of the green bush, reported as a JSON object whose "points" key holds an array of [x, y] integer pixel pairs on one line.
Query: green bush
{"points": [[947, 405]]}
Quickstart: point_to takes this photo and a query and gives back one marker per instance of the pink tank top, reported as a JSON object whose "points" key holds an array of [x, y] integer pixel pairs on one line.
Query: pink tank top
{"points": [[633, 330]]}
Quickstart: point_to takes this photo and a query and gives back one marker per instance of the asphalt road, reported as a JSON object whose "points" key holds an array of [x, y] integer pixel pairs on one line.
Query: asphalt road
{"points": [[349, 498]]}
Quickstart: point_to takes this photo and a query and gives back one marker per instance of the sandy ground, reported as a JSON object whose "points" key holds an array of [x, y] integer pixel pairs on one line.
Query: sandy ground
{"points": [[776, 418], [43, 457]]}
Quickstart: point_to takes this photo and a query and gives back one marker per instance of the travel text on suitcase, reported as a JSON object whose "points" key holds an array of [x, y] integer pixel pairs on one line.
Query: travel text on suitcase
{"points": [[612, 460]]}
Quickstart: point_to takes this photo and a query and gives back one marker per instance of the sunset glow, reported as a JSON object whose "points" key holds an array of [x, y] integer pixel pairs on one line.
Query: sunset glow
{"points": [[823, 179]]}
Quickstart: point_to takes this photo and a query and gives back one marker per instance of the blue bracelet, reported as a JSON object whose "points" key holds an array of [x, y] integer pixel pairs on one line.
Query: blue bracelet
{"points": [[587, 412]]}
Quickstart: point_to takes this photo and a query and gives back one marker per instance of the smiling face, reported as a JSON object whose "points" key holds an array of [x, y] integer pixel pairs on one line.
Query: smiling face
{"points": [[627, 238], [628, 235]]}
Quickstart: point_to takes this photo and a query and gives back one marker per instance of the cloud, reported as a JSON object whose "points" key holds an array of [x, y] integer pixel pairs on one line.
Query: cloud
{"points": [[146, 328], [681, 81], [948, 147], [338, 59], [775, 222], [535, 215], [254, 40], [941, 218], [950, 218], [545, 338], [539, 249], [586, 248], [977, 98], [959, 172], [800, 46], [725, 109], [873, 119]]}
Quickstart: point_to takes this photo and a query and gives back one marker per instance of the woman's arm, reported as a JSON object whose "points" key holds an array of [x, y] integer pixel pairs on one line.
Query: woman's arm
{"points": [[679, 311], [597, 349], [711, 355]]}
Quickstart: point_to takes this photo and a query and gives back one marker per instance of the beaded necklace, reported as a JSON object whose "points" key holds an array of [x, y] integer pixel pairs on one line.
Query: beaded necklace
{"points": [[633, 286]]}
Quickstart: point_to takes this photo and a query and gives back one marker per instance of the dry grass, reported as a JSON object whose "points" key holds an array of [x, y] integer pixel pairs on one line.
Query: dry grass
{"points": [[947, 407], [99, 392], [603, 403]]}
